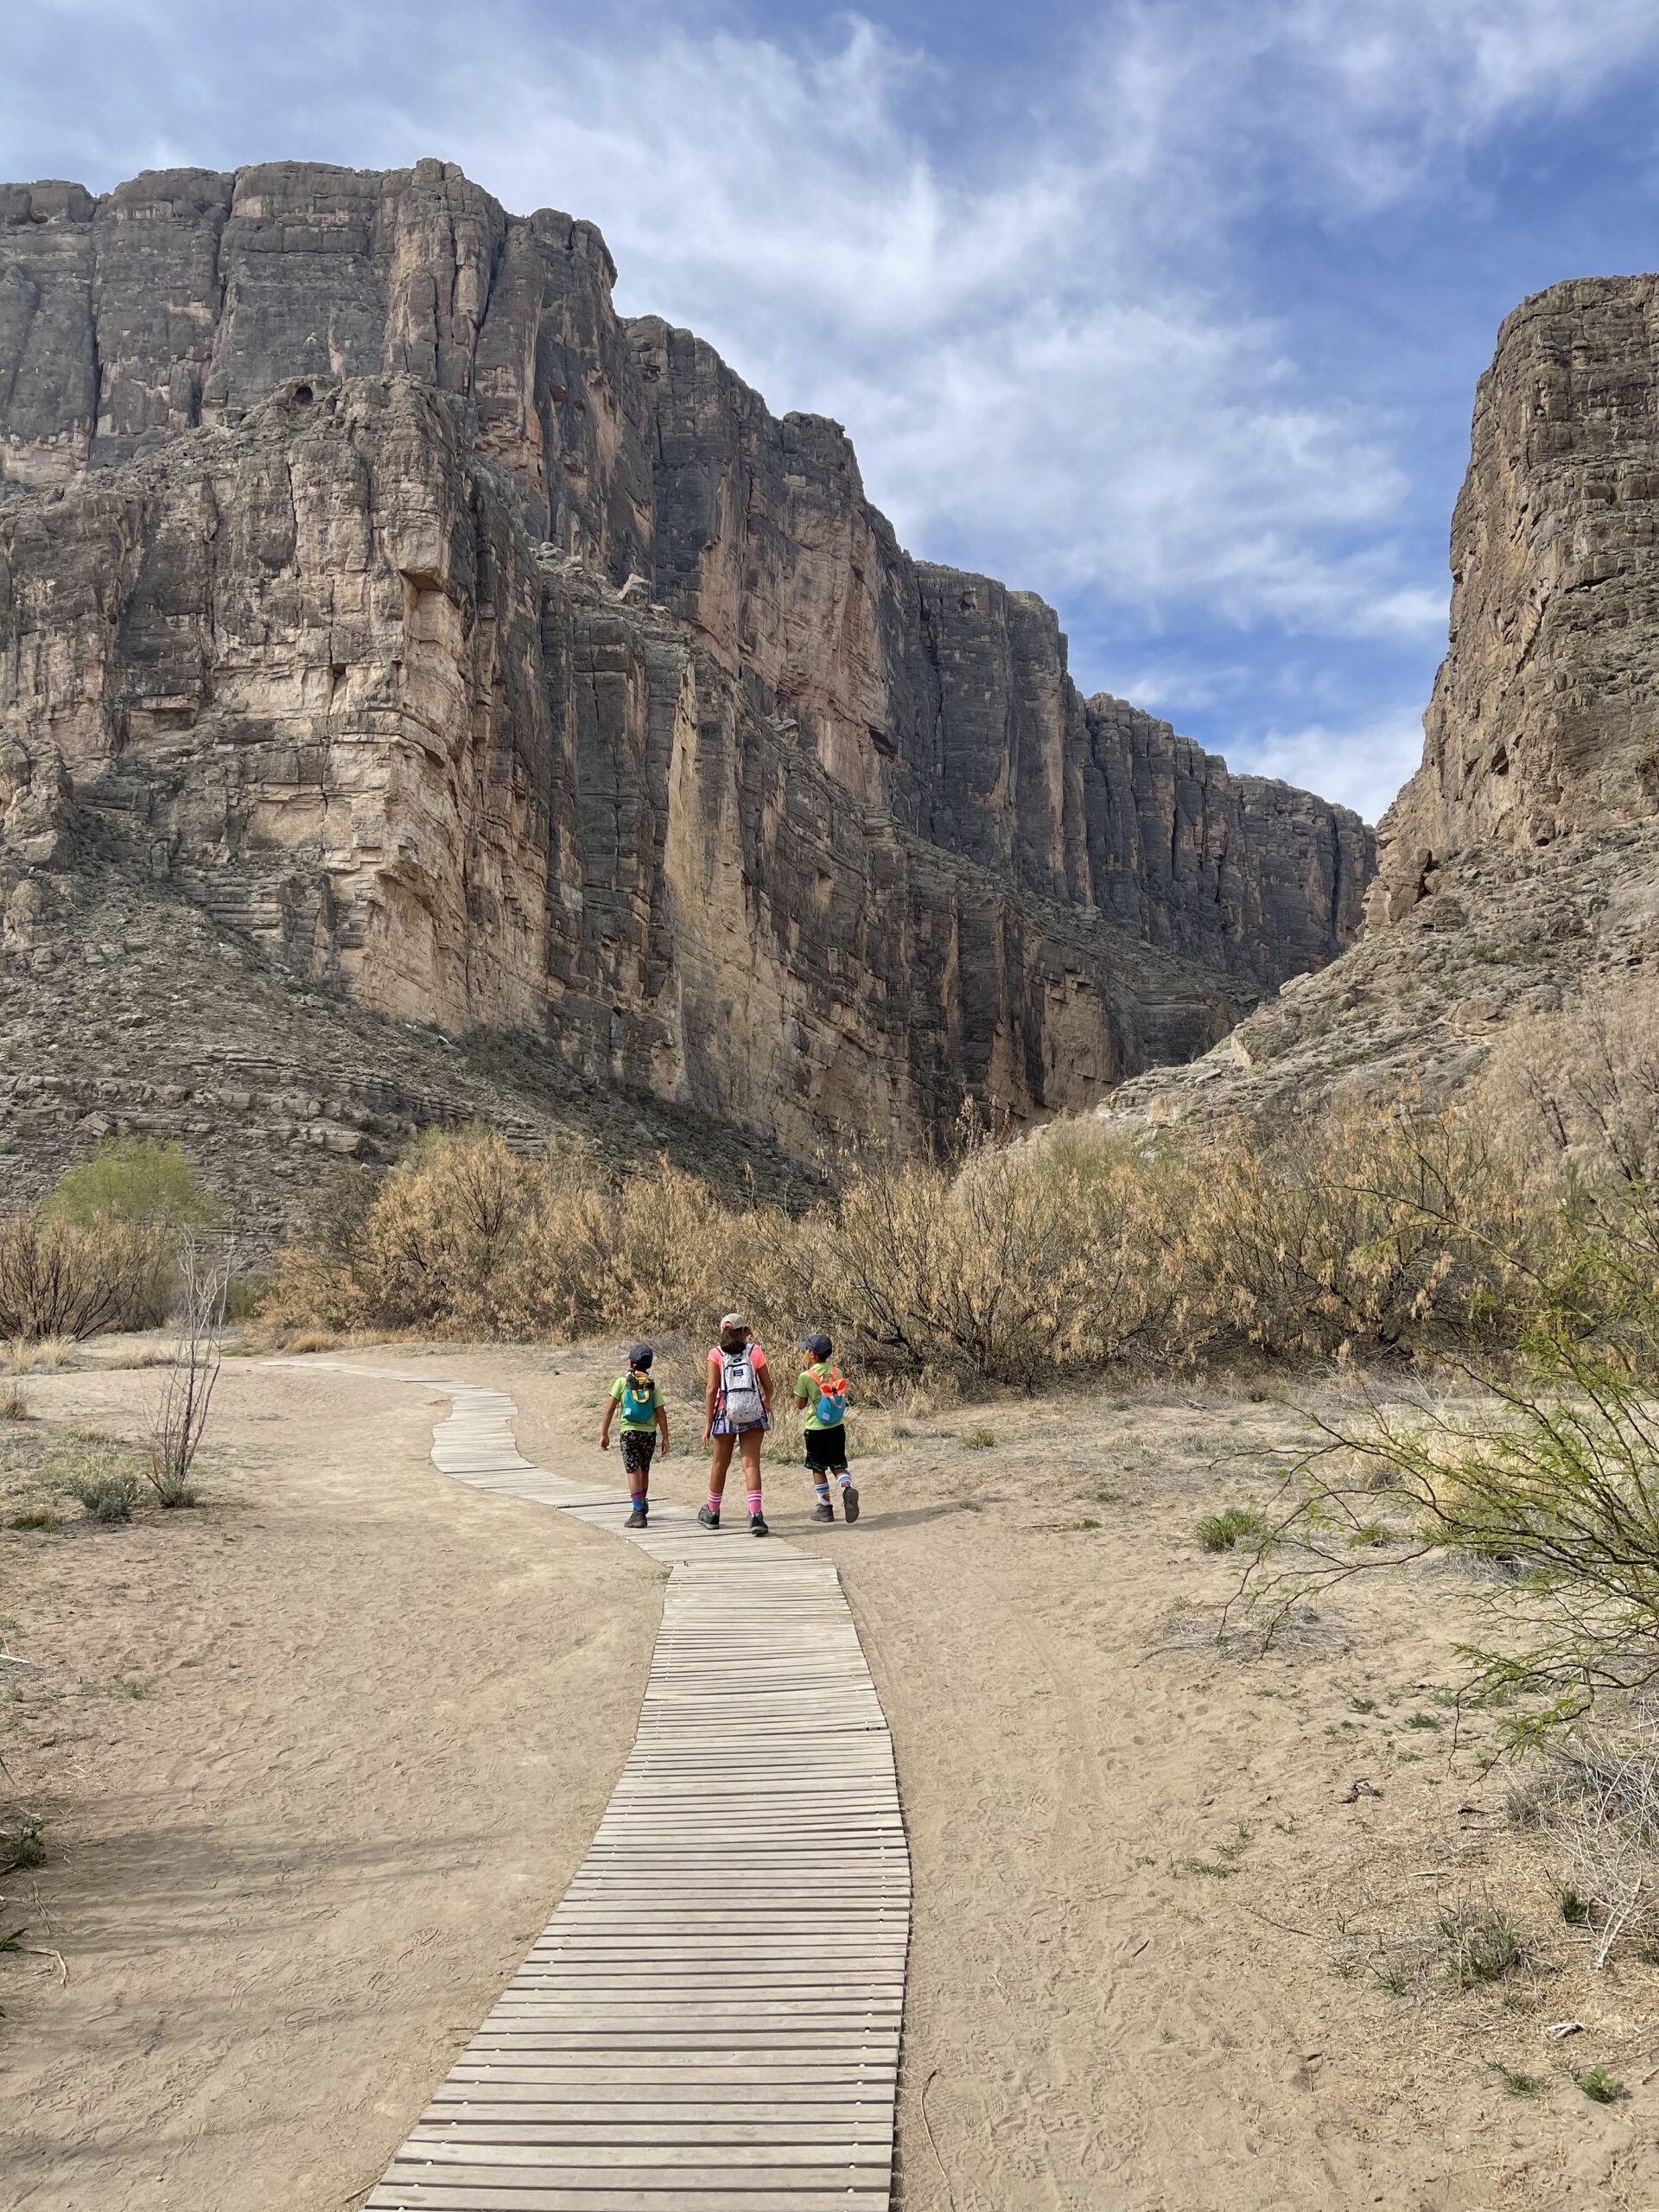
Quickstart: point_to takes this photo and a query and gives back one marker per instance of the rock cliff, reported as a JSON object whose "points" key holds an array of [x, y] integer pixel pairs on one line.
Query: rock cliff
{"points": [[502, 664], [1520, 865]]}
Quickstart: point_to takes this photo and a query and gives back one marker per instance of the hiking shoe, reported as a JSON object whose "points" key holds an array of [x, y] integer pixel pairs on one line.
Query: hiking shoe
{"points": [[758, 1525], [849, 1504], [708, 1520], [637, 1519], [824, 1510]]}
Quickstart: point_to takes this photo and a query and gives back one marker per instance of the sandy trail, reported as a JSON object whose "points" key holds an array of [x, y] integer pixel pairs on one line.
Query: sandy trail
{"points": [[380, 1722], [1149, 1932]]}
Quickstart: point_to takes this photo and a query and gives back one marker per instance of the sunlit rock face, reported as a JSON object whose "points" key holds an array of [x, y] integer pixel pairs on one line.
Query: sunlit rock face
{"points": [[506, 663]]}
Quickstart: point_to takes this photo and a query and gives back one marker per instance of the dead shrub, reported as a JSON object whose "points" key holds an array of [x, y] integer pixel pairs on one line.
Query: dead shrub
{"points": [[1600, 1808], [62, 1279], [1580, 1087], [178, 1415]]}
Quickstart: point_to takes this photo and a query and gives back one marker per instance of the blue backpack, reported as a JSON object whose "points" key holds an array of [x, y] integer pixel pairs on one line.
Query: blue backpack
{"points": [[639, 1396], [832, 1397]]}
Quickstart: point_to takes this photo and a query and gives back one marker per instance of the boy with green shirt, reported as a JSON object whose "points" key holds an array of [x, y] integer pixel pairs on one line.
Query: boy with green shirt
{"points": [[821, 1393], [645, 1418]]}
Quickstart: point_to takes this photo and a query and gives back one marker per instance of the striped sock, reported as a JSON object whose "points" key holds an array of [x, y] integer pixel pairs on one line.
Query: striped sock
{"points": [[754, 1503], [713, 1501], [822, 1490], [844, 1478], [636, 1499]]}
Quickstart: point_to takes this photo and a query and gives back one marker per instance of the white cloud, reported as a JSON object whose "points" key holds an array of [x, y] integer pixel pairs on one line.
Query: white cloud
{"points": [[1361, 767]]}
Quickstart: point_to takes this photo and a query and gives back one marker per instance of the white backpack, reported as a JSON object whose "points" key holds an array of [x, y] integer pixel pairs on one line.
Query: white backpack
{"points": [[740, 1392]]}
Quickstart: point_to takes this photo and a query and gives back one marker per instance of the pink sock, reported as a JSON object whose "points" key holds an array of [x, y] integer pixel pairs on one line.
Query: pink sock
{"points": [[713, 1501], [754, 1503]]}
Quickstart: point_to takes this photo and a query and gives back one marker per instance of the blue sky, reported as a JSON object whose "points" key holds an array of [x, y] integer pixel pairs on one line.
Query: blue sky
{"points": [[1170, 311]]}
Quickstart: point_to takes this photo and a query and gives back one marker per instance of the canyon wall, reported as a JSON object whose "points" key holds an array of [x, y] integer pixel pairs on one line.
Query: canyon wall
{"points": [[1543, 722], [504, 662]]}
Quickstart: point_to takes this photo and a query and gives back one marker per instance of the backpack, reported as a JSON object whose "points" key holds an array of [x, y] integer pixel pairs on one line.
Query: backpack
{"points": [[832, 1397], [740, 1393], [639, 1396]]}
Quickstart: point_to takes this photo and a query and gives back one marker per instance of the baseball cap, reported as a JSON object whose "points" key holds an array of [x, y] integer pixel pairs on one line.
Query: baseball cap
{"points": [[732, 1321], [819, 1346], [640, 1355]]}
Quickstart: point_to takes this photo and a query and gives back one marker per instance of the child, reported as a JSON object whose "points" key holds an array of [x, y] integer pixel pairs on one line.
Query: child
{"points": [[737, 1412], [643, 1412], [821, 1393]]}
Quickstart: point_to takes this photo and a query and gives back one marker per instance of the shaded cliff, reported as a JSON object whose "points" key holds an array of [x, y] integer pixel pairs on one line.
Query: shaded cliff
{"points": [[505, 663]]}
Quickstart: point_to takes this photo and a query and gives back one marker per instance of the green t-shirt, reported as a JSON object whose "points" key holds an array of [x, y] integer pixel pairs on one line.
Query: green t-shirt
{"points": [[808, 1387], [650, 1422]]}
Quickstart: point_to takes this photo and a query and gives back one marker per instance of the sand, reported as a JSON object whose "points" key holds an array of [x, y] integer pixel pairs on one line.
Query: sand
{"points": [[1165, 1959]]}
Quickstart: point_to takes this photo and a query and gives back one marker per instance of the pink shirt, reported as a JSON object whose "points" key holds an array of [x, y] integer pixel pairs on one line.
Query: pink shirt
{"points": [[754, 1352]]}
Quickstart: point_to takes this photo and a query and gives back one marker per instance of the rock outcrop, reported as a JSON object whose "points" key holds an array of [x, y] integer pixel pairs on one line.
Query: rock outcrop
{"points": [[506, 665], [1520, 865]]}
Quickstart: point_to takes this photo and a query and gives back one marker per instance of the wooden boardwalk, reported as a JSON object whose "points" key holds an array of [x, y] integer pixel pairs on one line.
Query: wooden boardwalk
{"points": [[711, 2017]]}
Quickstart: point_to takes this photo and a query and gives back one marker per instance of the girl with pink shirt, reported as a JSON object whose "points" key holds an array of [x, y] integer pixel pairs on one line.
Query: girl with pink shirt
{"points": [[736, 1410]]}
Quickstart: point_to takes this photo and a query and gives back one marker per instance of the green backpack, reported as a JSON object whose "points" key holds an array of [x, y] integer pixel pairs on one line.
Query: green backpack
{"points": [[639, 1396]]}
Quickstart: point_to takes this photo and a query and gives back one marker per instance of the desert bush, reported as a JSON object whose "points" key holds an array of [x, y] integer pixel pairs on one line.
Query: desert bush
{"points": [[133, 1180], [1599, 1807], [62, 1279], [1224, 1531], [177, 1416], [14, 1401], [1580, 1087], [1478, 1942], [137, 1199], [1358, 1233], [103, 1494]]}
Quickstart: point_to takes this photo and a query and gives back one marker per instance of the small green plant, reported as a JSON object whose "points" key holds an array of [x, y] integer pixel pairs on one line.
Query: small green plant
{"points": [[104, 1496], [1392, 1974], [1369, 1535], [1075, 1527], [36, 1518], [1515, 2085], [1601, 2086], [129, 1686], [1362, 1705], [979, 1439], [1120, 1405], [1480, 1944], [23, 1846], [1422, 1720], [1575, 1908], [1221, 1532]]}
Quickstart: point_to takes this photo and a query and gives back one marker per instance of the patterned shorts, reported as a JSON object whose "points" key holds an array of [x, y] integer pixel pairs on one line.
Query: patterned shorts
{"points": [[638, 1445]]}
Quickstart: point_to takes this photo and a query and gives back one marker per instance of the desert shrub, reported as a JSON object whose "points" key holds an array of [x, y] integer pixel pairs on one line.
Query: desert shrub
{"points": [[62, 1280], [103, 1494], [1479, 1943], [177, 1415], [1597, 1805], [132, 1180], [136, 1199], [1360, 1232], [1580, 1087], [14, 1401], [22, 1844], [1223, 1531]]}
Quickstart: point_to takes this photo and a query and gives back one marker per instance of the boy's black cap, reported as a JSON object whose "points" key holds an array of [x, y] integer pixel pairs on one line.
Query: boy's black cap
{"points": [[640, 1355], [820, 1347]]}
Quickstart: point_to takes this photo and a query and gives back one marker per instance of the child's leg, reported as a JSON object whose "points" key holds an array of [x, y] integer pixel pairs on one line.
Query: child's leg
{"points": [[717, 1466], [638, 1445], [749, 1444]]}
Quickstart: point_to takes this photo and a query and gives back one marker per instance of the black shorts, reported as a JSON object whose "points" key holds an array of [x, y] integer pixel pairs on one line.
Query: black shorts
{"points": [[826, 1450], [638, 1445]]}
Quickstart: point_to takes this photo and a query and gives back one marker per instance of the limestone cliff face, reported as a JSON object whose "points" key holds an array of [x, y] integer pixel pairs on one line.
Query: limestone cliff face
{"points": [[364, 576], [1545, 716]]}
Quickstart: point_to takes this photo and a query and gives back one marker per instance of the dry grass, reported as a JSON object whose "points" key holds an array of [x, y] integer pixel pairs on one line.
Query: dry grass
{"points": [[1400, 1234]]}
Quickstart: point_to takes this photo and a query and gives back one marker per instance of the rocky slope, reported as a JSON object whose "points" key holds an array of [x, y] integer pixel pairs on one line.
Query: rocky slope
{"points": [[496, 663], [1520, 865]]}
